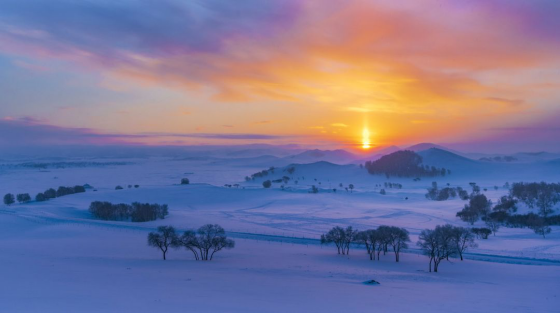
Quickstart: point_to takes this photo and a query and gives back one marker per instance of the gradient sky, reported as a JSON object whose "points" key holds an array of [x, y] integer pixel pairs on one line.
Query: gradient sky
{"points": [[482, 75]]}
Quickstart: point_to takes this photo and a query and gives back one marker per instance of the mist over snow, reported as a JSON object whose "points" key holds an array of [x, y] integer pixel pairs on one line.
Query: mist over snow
{"points": [[278, 264]]}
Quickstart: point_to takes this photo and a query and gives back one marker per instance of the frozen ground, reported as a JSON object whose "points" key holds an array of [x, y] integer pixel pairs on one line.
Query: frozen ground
{"points": [[55, 257], [74, 267]]}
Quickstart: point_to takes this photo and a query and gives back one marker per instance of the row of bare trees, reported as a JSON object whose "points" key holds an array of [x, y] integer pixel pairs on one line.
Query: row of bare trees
{"points": [[375, 240], [203, 243], [438, 244]]}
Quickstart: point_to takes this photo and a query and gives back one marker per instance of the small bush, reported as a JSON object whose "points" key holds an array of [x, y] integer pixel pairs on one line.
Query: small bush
{"points": [[23, 198], [9, 199]]}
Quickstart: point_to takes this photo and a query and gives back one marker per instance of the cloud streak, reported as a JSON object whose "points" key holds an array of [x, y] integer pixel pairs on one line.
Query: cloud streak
{"points": [[25, 131]]}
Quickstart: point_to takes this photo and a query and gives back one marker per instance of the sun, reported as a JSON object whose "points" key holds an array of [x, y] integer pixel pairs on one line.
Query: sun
{"points": [[366, 144]]}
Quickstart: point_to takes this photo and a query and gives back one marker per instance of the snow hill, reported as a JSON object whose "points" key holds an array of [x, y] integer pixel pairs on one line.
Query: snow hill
{"points": [[425, 146], [338, 156], [439, 158]]}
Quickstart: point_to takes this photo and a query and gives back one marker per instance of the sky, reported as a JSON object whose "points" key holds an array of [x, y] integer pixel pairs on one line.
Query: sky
{"points": [[478, 75]]}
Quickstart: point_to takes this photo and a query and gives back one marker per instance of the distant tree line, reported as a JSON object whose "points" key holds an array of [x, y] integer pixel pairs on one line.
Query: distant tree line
{"points": [[446, 193], [498, 159], [260, 174], [203, 243], [541, 196], [389, 185], [438, 244], [135, 212], [41, 197], [404, 163]]}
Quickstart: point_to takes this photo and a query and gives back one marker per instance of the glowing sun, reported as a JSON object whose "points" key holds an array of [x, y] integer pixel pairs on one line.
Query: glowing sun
{"points": [[366, 144]]}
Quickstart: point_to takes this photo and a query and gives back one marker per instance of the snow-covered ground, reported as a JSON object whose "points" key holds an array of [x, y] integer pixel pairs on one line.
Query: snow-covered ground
{"points": [[56, 257]]}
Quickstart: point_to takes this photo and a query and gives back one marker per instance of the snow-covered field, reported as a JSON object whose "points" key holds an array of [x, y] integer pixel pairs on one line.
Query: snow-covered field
{"points": [[56, 257]]}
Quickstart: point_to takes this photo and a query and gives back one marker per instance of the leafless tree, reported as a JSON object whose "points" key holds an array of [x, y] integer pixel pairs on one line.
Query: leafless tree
{"points": [[437, 244], [336, 236], [463, 239], [397, 238], [342, 238], [492, 223], [189, 241], [211, 239], [539, 226], [163, 239], [370, 239], [384, 232], [350, 236]]}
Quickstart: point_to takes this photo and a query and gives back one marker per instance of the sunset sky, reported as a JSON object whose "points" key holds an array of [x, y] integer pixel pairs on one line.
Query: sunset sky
{"points": [[477, 75]]}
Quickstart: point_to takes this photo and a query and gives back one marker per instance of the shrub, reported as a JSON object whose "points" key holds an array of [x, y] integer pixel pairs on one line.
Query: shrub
{"points": [[9, 199], [50, 193], [482, 233], [40, 197], [23, 198], [266, 184], [185, 181], [478, 206]]}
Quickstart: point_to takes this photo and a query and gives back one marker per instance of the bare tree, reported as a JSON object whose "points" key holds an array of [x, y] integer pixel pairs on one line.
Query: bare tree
{"points": [[189, 241], [163, 239], [370, 239], [384, 238], [341, 238], [546, 199], [397, 238], [539, 226], [463, 239], [492, 223], [349, 237], [437, 245], [211, 239]]}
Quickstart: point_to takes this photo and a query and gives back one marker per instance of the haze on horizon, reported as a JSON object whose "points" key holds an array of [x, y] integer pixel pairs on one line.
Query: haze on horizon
{"points": [[474, 75]]}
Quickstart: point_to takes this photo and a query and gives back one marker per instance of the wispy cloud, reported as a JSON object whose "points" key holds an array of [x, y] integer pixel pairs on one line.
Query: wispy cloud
{"points": [[339, 125], [264, 122], [388, 60], [29, 131]]}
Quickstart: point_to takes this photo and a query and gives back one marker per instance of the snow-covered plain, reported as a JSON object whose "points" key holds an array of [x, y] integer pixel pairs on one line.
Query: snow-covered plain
{"points": [[56, 257]]}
